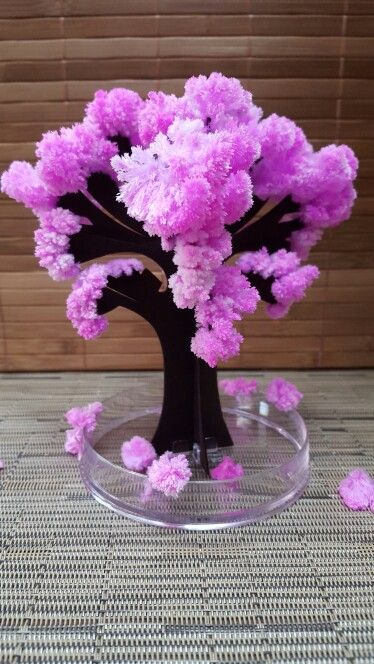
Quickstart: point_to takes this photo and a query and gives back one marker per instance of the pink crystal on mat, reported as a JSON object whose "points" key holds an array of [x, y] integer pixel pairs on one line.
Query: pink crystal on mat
{"points": [[169, 474], [137, 453], [357, 490], [84, 417], [74, 441], [284, 395], [227, 469], [238, 386], [83, 422]]}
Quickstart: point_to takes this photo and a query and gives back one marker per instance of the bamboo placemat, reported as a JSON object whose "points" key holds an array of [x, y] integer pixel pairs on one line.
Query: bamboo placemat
{"points": [[81, 584]]}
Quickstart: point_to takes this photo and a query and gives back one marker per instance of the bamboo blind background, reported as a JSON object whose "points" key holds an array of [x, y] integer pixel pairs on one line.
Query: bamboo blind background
{"points": [[309, 59]]}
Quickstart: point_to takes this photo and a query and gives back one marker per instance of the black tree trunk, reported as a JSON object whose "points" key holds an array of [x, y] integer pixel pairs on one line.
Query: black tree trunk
{"points": [[191, 411]]}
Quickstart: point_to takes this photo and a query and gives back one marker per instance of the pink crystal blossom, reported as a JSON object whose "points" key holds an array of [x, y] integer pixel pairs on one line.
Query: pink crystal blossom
{"points": [[116, 112], [181, 182], [227, 469], [74, 441], [302, 241], [68, 157], [22, 182], [284, 395], [291, 288], [52, 242], [88, 288], [157, 114], [83, 421], [231, 296], [137, 453], [219, 101], [185, 187], [357, 490], [321, 182], [283, 146], [198, 257], [238, 386], [169, 474], [323, 186], [84, 417], [278, 264], [290, 280]]}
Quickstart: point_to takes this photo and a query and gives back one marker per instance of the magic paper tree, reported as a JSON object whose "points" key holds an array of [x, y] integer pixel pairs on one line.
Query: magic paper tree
{"points": [[187, 182]]}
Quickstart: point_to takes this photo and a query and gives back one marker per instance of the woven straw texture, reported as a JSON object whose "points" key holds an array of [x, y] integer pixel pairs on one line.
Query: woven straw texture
{"points": [[81, 584]]}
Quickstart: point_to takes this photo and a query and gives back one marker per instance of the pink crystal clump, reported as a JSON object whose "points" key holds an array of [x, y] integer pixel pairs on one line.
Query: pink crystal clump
{"points": [[227, 469], [137, 453], [357, 490], [284, 395], [169, 474], [238, 386]]}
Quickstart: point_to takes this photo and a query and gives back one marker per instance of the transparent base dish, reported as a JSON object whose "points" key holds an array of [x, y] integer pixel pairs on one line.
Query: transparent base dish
{"points": [[271, 446]]}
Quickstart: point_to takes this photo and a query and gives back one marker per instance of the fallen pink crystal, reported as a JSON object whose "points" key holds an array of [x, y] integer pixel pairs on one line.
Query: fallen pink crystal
{"points": [[83, 421], [227, 469], [357, 490], [284, 395], [137, 453], [238, 386], [84, 417], [169, 474]]}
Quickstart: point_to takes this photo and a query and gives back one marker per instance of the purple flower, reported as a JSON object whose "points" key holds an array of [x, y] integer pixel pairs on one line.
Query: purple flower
{"points": [[169, 474], [137, 453], [231, 296], [284, 395]]}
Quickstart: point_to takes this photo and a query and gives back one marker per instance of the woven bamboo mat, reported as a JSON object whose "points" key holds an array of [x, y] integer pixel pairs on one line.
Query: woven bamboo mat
{"points": [[81, 584]]}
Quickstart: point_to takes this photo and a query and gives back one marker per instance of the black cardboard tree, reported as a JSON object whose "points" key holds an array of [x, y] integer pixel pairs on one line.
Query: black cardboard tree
{"points": [[191, 411]]}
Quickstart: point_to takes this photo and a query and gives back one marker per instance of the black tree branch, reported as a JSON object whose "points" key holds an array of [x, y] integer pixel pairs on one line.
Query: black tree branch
{"points": [[256, 207], [136, 292], [104, 190], [106, 236], [269, 231], [263, 286]]}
